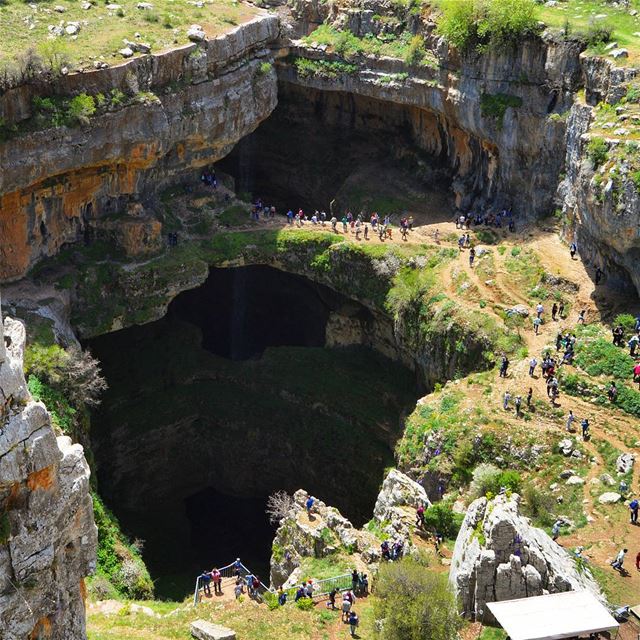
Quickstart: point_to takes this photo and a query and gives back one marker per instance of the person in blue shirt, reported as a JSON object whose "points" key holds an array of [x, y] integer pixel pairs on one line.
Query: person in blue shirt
{"points": [[205, 581], [633, 508], [309, 505], [282, 597]]}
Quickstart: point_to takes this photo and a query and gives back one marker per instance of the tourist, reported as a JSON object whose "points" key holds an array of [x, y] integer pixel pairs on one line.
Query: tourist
{"points": [[585, 429], [334, 224], [529, 396], [366, 232], [504, 365], [216, 576], [618, 335], [300, 593], [634, 505], [237, 567], [536, 324], [331, 603], [309, 589], [384, 550], [420, 516], [472, 257], [436, 236], [289, 217], [554, 311], [518, 403], [573, 249], [364, 584], [619, 561], [410, 223], [633, 345], [238, 590], [346, 607], [539, 309], [249, 581], [561, 310], [205, 581], [344, 224], [533, 363], [353, 623], [581, 316], [555, 530], [505, 400], [461, 243], [309, 505], [282, 597], [636, 373], [570, 420], [612, 392], [638, 561], [355, 579], [559, 340]]}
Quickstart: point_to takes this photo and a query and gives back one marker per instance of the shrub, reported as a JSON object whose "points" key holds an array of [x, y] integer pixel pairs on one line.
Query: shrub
{"points": [[488, 479], [80, 108], [264, 68], [601, 357], [440, 517], [495, 106], [597, 151], [415, 603], [627, 321], [538, 505], [598, 33], [305, 604], [415, 51], [486, 23]]}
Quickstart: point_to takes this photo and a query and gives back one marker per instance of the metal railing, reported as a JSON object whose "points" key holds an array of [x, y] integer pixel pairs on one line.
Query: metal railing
{"points": [[230, 571]]}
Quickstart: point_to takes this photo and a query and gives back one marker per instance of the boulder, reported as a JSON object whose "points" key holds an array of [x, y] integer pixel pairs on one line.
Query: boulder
{"points": [[567, 473], [566, 446], [196, 33], [617, 54], [575, 481], [203, 630], [624, 463], [518, 310], [398, 490], [611, 497], [607, 479], [498, 555], [127, 52]]}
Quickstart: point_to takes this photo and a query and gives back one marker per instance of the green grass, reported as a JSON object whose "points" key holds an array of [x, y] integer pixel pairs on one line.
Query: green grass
{"points": [[234, 216], [105, 31], [602, 358], [323, 68]]}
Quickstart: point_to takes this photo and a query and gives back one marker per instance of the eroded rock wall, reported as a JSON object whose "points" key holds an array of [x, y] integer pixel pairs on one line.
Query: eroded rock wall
{"points": [[48, 538], [190, 107]]}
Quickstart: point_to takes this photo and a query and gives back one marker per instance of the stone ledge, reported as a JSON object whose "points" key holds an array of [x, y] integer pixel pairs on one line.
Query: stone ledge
{"points": [[203, 630]]}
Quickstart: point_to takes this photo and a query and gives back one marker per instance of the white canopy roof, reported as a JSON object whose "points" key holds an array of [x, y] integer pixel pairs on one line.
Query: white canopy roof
{"points": [[557, 615]]}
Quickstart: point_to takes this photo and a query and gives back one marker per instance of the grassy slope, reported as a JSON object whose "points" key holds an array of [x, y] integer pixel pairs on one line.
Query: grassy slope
{"points": [[162, 27]]}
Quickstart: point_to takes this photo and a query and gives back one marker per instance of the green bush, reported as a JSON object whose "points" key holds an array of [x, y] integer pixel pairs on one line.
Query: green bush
{"points": [[305, 604], [486, 24], [601, 357], [495, 106], [415, 603], [488, 479], [441, 518], [415, 51], [80, 108], [597, 152], [627, 321], [264, 68]]}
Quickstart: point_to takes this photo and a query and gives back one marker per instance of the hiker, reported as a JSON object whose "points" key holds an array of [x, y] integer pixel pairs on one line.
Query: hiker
{"points": [[346, 607], [249, 581], [536, 324], [573, 249], [300, 593], [636, 373], [555, 530], [353, 623], [559, 340], [308, 591], [420, 516], [633, 345], [472, 256], [634, 505], [205, 580], [216, 576], [238, 590], [618, 335], [539, 309], [619, 561], [505, 400], [331, 603], [570, 420], [612, 392], [585, 429], [282, 597], [581, 316], [237, 567], [561, 310], [364, 584], [355, 579], [504, 365], [436, 236], [554, 311], [397, 549], [599, 274], [529, 396], [309, 505], [384, 550], [366, 232], [410, 223], [518, 404], [533, 363], [461, 243]]}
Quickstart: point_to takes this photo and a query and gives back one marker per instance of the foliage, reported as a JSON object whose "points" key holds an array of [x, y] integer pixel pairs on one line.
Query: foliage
{"points": [[488, 479], [601, 357], [537, 505], [264, 68], [59, 112], [278, 506], [441, 518], [323, 68], [627, 321], [495, 106], [597, 151], [415, 603], [486, 24], [305, 604], [63, 415], [415, 51], [118, 560]]}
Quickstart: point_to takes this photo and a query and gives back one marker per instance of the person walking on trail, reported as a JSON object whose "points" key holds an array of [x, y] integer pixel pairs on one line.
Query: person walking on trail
{"points": [[504, 365], [472, 256], [612, 392], [529, 396], [533, 363], [237, 567], [581, 316], [561, 310], [238, 590], [554, 311], [505, 400], [573, 249], [355, 579], [420, 516], [331, 603], [346, 607], [539, 309], [555, 530], [585, 429], [570, 420], [634, 505], [353, 623], [633, 345], [216, 576], [536, 324], [619, 561], [518, 403]]}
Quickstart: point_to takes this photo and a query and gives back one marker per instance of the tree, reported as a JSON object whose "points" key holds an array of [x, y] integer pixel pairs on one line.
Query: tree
{"points": [[415, 603], [278, 506]]}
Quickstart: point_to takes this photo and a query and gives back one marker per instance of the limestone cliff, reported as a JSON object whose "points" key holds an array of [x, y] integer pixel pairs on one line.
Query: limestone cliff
{"points": [[179, 110], [47, 534], [500, 556]]}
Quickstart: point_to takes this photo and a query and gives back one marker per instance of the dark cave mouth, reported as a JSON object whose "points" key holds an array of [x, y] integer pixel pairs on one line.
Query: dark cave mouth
{"points": [[232, 396]]}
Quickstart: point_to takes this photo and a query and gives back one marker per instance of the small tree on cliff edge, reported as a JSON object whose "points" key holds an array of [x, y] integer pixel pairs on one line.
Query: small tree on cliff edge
{"points": [[278, 506], [415, 602]]}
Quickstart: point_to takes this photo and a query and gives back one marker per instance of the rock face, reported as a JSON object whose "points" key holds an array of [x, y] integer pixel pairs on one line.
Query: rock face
{"points": [[48, 537], [206, 98], [499, 556]]}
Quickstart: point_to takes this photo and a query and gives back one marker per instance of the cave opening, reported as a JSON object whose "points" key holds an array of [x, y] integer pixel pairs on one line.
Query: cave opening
{"points": [[256, 381]]}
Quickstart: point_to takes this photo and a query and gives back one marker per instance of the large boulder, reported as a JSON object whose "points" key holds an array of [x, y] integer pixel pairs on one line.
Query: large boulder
{"points": [[624, 462], [48, 537], [499, 555], [203, 630]]}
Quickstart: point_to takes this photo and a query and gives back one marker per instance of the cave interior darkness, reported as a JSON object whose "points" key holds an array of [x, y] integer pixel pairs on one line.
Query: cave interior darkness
{"points": [[231, 396]]}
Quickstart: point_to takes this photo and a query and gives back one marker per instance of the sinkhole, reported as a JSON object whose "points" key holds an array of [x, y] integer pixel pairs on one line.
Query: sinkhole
{"points": [[257, 381]]}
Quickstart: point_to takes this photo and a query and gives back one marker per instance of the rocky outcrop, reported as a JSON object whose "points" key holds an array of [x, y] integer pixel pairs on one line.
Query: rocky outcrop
{"points": [[181, 110], [499, 556], [203, 630], [47, 535], [323, 534]]}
